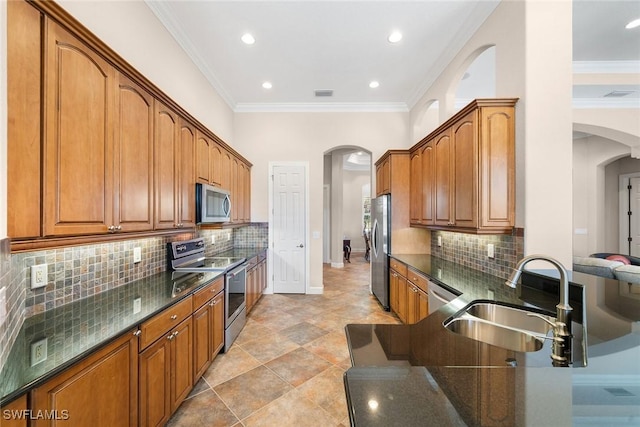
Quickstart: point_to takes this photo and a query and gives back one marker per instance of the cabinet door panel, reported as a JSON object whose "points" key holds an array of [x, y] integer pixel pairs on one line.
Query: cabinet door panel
{"points": [[99, 391], [133, 180], [218, 324], [165, 164], [428, 178], [216, 165], [181, 363], [465, 156], [79, 90], [497, 167], [415, 188], [203, 159], [403, 295], [443, 184], [155, 389], [202, 324], [186, 182]]}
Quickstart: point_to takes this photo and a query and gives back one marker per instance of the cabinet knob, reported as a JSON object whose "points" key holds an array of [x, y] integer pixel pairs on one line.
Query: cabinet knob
{"points": [[212, 303], [137, 333], [119, 227], [174, 317], [111, 228], [175, 334], [170, 337]]}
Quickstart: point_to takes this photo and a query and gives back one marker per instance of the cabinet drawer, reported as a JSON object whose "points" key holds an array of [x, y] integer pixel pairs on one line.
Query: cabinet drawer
{"points": [[251, 262], [162, 323], [417, 279], [398, 266], [203, 295]]}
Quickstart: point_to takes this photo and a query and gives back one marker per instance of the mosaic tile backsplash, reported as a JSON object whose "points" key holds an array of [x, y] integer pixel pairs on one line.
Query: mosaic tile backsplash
{"points": [[75, 273], [470, 250]]}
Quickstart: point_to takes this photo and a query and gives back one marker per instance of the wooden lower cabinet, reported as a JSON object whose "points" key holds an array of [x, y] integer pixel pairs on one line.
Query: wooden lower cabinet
{"points": [[407, 293], [256, 280], [15, 413], [417, 304], [208, 333], [101, 390], [166, 374]]}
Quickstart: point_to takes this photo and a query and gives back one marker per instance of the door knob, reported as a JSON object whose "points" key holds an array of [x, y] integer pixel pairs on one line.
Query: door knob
{"points": [[301, 245]]}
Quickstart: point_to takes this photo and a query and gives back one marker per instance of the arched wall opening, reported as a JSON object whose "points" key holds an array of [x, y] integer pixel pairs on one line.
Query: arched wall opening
{"points": [[346, 194]]}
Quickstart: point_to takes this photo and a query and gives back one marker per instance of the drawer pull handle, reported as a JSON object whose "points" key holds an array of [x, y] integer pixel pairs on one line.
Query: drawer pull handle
{"points": [[174, 317]]}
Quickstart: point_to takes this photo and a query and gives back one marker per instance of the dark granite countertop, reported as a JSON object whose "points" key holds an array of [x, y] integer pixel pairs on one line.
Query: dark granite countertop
{"points": [[405, 363], [75, 330]]}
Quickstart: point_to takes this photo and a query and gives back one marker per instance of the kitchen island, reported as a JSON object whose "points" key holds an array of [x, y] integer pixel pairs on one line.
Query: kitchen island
{"points": [[424, 374]]}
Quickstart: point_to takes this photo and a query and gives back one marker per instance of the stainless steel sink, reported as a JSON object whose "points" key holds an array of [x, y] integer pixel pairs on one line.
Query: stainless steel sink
{"points": [[510, 316], [501, 325], [494, 334]]}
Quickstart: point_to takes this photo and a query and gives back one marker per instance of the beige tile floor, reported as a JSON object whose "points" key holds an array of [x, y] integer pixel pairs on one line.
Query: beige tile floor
{"points": [[286, 366]]}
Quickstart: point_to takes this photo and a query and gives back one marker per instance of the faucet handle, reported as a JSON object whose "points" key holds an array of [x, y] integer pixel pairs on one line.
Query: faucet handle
{"points": [[540, 316]]}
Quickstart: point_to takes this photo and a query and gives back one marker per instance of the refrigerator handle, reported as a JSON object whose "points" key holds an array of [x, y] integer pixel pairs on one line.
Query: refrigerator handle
{"points": [[374, 238]]}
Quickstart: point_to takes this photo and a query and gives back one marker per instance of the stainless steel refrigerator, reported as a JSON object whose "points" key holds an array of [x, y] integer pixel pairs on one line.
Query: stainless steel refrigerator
{"points": [[380, 247]]}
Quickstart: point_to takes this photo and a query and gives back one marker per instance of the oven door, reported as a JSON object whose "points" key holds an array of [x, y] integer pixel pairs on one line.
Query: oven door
{"points": [[235, 293]]}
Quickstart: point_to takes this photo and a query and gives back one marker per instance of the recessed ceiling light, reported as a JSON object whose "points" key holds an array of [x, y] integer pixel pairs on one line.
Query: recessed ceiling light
{"points": [[395, 37], [248, 39], [633, 24], [374, 84], [267, 85]]}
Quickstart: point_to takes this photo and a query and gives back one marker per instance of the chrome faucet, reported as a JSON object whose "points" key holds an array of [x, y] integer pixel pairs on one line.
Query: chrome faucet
{"points": [[561, 348]]}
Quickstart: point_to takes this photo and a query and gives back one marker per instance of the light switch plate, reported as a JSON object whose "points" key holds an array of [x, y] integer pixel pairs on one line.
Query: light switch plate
{"points": [[213, 239], [490, 250], [38, 276], [439, 240]]}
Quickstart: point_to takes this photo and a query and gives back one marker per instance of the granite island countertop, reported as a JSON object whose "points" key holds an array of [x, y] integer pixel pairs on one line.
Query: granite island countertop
{"points": [[395, 367], [75, 330]]}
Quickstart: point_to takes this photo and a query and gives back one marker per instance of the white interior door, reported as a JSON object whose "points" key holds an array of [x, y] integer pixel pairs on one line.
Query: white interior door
{"points": [[289, 231]]}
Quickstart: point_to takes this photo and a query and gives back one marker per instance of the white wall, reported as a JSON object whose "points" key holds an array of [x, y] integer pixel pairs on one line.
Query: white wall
{"points": [[265, 137], [134, 32]]}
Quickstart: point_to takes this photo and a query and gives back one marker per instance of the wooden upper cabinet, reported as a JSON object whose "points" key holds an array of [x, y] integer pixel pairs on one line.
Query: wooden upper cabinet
{"points": [[216, 165], [415, 187], [497, 168], [78, 144], [133, 157], [247, 193], [186, 175], [428, 181], [24, 47], [465, 171], [203, 158], [443, 179], [236, 197], [383, 176], [468, 170], [166, 155], [225, 168]]}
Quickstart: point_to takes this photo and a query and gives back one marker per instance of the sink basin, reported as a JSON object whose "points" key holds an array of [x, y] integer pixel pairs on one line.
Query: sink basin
{"points": [[509, 316], [494, 334], [501, 325]]}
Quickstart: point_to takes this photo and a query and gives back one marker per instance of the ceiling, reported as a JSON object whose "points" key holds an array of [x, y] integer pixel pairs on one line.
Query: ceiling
{"points": [[303, 46]]}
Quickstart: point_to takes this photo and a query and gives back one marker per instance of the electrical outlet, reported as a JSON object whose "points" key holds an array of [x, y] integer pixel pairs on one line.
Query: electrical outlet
{"points": [[38, 276], [3, 305], [213, 239], [38, 351], [490, 250], [439, 240], [137, 305], [137, 254], [228, 236]]}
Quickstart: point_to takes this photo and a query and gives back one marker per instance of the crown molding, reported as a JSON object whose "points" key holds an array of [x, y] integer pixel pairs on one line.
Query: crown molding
{"points": [[606, 67], [324, 107]]}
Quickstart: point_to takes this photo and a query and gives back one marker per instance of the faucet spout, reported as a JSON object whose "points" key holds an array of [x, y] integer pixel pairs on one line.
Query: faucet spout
{"points": [[562, 344]]}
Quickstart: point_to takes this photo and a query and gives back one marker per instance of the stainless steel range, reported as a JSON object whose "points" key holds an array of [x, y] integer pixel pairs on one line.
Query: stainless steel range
{"points": [[188, 257]]}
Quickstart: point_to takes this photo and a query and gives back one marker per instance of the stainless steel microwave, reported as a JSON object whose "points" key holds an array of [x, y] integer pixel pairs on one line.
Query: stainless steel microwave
{"points": [[213, 204]]}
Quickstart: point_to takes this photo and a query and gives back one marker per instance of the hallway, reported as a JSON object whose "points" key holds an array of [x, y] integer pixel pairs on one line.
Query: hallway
{"points": [[287, 364]]}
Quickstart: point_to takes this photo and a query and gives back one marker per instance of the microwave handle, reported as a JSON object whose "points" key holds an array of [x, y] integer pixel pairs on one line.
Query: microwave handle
{"points": [[226, 205]]}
